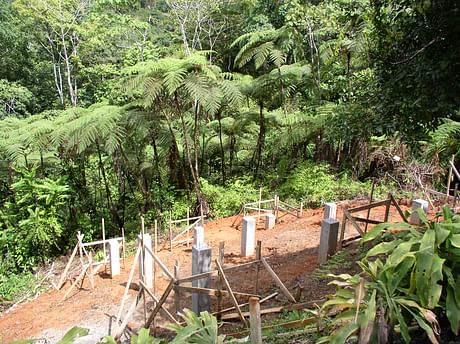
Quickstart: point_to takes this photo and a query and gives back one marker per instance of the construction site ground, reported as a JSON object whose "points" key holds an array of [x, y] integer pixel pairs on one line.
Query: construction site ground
{"points": [[291, 249]]}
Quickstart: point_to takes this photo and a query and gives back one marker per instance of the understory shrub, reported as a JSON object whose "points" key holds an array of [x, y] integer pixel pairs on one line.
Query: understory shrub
{"points": [[315, 184], [227, 201], [32, 221]]}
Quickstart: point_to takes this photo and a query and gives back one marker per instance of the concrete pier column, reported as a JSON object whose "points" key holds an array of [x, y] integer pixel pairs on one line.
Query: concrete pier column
{"points": [[417, 203], [147, 263], [330, 211], [114, 257], [198, 236], [201, 262], [328, 241], [248, 236], [270, 221]]}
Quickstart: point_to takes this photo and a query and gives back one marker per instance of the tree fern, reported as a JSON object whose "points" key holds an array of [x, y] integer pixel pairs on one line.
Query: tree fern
{"points": [[445, 139]]}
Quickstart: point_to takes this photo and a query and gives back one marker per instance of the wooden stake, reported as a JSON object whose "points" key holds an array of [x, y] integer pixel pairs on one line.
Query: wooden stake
{"points": [[219, 279], [156, 301], [449, 178], [170, 233], [301, 209], [254, 320], [80, 251], [370, 202], [131, 309], [258, 256], [387, 211], [278, 281], [160, 303], [232, 296], [455, 194], [103, 239], [259, 205], [67, 267], [176, 290], [188, 225], [82, 274], [271, 296], [276, 208], [123, 247], [128, 284], [155, 248]]}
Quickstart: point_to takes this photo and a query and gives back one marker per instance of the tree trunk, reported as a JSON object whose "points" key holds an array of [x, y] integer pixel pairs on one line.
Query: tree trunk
{"points": [[260, 141], [222, 152]]}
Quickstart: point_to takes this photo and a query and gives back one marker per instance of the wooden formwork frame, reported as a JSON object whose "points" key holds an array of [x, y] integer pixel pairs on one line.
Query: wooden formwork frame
{"points": [[354, 220], [191, 222], [88, 267], [269, 206], [175, 285]]}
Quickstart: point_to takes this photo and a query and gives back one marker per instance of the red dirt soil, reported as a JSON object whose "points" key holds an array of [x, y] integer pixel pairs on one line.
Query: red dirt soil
{"points": [[290, 248]]}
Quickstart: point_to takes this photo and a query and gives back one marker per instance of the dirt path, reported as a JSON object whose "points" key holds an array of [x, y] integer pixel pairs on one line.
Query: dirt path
{"points": [[291, 249]]}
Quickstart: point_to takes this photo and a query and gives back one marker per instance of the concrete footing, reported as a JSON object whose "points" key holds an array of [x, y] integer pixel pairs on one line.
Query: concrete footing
{"points": [[248, 236], [114, 257], [201, 262], [417, 203], [148, 262], [328, 241], [270, 221], [330, 211]]}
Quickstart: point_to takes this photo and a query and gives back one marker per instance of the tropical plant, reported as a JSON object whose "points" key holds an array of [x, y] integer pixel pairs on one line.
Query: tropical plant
{"points": [[409, 276], [32, 221]]}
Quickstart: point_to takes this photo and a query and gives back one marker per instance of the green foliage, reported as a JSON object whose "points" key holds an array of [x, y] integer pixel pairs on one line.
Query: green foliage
{"points": [[32, 221], [15, 100], [16, 286], [432, 260], [73, 334], [408, 276], [70, 336], [200, 329], [315, 185], [227, 201]]}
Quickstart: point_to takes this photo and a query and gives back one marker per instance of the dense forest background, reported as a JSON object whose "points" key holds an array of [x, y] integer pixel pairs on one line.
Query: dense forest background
{"points": [[116, 108]]}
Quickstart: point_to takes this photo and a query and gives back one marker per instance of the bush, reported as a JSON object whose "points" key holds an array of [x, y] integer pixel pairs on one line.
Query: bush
{"points": [[315, 185], [227, 201]]}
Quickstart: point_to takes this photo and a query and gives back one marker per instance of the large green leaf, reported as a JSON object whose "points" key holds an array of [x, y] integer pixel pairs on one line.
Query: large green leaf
{"points": [[452, 310], [428, 274], [72, 334], [367, 320], [341, 335], [455, 240], [383, 248]]}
